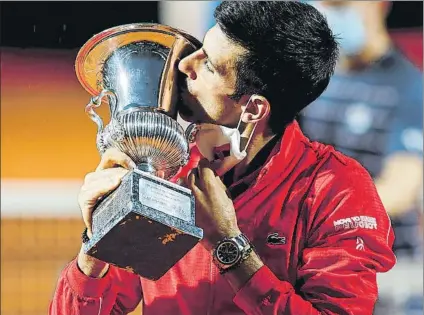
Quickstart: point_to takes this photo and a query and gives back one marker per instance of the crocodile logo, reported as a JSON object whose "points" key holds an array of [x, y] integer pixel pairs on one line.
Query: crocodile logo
{"points": [[274, 239]]}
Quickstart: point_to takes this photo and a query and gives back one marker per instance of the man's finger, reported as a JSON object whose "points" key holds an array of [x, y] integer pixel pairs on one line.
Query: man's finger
{"points": [[184, 181], [89, 198], [113, 157], [223, 187], [220, 183], [97, 188], [206, 173], [105, 174], [191, 182], [192, 177]]}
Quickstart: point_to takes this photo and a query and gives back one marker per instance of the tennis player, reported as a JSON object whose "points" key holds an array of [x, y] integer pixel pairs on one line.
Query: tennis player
{"points": [[290, 226]]}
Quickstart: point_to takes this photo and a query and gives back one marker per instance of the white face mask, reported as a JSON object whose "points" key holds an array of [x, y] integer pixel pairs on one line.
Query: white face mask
{"points": [[211, 136]]}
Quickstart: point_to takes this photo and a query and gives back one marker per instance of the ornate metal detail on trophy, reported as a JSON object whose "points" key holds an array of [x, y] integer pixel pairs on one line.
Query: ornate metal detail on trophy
{"points": [[191, 132]]}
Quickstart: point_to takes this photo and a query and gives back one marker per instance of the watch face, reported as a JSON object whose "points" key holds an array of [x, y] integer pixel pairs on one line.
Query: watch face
{"points": [[227, 253]]}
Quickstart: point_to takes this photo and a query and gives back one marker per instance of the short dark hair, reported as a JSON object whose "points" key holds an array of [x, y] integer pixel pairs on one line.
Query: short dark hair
{"points": [[291, 53]]}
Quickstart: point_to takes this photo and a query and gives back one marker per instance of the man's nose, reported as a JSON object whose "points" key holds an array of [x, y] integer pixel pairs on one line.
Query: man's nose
{"points": [[186, 66]]}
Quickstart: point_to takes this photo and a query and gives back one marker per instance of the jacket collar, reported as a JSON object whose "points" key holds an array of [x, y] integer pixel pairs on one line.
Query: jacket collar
{"points": [[284, 157], [286, 153]]}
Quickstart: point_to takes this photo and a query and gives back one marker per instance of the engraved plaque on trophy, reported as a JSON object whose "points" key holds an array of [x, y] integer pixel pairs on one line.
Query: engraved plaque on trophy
{"points": [[148, 223]]}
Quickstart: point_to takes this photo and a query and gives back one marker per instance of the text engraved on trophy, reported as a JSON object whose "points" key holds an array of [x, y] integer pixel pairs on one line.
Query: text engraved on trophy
{"points": [[164, 199]]}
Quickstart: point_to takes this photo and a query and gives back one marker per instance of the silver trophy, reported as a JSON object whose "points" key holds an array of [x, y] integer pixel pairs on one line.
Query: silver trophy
{"points": [[148, 223]]}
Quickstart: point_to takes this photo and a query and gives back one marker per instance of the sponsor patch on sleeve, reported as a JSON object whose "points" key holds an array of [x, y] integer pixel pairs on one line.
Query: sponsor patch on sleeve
{"points": [[362, 222]]}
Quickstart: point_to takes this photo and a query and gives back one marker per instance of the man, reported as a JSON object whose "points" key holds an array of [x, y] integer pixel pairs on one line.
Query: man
{"points": [[372, 111], [314, 230]]}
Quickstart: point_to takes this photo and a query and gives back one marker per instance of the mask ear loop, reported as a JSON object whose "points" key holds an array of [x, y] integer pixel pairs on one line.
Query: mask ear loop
{"points": [[242, 113], [250, 137], [254, 128]]}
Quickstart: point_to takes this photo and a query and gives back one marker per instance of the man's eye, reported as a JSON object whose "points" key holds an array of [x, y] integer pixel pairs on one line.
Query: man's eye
{"points": [[208, 66]]}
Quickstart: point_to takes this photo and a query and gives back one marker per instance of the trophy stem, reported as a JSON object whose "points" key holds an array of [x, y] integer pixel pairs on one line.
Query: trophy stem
{"points": [[145, 167]]}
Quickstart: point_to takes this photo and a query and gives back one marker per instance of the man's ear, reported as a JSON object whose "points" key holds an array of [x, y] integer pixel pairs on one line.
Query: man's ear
{"points": [[256, 109]]}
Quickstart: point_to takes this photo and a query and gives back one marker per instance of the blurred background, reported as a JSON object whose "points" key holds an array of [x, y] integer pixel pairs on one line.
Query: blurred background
{"points": [[371, 111]]}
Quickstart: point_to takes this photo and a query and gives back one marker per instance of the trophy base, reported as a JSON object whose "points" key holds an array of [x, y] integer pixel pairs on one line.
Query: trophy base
{"points": [[145, 226]]}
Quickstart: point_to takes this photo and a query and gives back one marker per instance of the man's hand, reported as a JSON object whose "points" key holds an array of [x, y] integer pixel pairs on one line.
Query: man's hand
{"points": [[113, 166], [215, 212], [216, 215]]}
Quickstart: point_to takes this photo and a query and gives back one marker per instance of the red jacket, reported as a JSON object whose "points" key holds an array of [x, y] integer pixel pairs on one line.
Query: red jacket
{"points": [[333, 236]]}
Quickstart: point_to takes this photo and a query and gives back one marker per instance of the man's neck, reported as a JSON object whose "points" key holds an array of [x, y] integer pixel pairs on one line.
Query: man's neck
{"points": [[374, 50], [260, 138]]}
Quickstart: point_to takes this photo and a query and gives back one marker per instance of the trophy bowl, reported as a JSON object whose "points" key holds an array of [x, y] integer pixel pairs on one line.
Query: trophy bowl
{"points": [[148, 223]]}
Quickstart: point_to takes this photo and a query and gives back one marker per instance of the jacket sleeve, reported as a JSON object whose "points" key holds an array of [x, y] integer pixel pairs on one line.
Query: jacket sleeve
{"points": [[118, 292], [350, 240]]}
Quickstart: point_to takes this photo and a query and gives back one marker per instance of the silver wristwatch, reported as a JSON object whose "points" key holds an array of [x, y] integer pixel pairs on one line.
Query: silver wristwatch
{"points": [[230, 252]]}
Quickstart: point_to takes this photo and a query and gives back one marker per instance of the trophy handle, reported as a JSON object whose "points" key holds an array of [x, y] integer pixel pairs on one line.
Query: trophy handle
{"points": [[96, 102], [191, 132]]}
